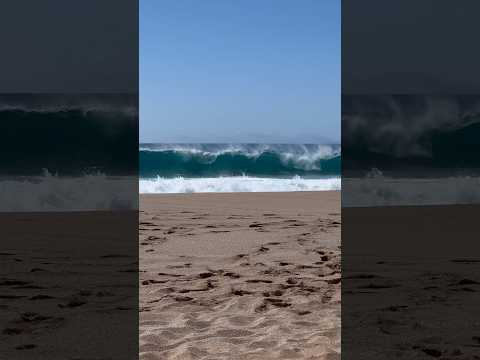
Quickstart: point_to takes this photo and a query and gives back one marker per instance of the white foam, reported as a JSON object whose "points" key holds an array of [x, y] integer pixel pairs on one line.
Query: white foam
{"points": [[236, 184], [53, 193], [379, 190]]}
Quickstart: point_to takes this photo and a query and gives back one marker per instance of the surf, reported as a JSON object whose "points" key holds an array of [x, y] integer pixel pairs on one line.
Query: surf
{"points": [[177, 185], [214, 160]]}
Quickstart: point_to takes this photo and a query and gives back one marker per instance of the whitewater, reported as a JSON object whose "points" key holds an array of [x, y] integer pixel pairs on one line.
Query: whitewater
{"points": [[236, 184]]}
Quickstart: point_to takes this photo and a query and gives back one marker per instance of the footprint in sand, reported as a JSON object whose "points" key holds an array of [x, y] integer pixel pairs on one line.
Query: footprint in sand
{"points": [[12, 331], [149, 282], [41, 297], [9, 282], [432, 352], [205, 275], [303, 312], [467, 282], [256, 281], [231, 275], [72, 304], [26, 347], [334, 281], [240, 292]]}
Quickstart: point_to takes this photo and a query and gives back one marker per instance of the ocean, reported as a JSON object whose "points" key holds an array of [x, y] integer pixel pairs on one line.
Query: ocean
{"points": [[410, 149], [68, 152], [192, 168]]}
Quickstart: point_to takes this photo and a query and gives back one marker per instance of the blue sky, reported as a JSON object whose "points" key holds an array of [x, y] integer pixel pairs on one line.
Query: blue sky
{"points": [[239, 71]]}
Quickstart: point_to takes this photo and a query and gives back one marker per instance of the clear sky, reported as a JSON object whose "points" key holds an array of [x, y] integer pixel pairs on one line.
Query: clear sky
{"points": [[240, 71]]}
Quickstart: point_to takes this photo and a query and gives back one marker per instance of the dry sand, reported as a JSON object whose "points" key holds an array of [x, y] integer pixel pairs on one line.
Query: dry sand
{"points": [[411, 283], [240, 276], [68, 286]]}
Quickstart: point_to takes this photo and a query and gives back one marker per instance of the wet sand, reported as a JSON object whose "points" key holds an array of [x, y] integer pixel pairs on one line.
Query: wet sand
{"points": [[240, 276]]}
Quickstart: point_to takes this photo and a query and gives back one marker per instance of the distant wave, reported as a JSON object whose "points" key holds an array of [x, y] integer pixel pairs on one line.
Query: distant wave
{"points": [[236, 184], [213, 160]]}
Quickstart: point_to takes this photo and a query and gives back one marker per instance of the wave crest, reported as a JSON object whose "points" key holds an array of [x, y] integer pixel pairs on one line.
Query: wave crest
{"points": [[195, 160]]}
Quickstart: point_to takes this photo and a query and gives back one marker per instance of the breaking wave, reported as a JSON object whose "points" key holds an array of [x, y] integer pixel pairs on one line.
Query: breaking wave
{"points": [[214, 160]]}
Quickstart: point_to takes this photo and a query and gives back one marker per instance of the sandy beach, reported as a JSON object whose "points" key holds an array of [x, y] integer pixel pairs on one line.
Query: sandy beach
{"points": [[68, 285], [240, 276], [410, 282]]}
